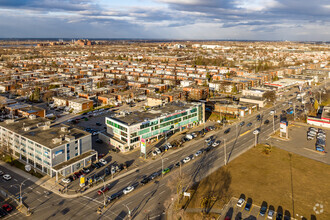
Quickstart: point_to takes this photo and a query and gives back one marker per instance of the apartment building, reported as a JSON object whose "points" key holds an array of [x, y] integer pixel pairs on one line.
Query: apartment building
{"points": [[127, 130], [52, 150], [75, 104]]}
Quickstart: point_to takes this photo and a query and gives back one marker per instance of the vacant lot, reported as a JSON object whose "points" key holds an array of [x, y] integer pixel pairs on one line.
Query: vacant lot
{"points": [[277, 177]]}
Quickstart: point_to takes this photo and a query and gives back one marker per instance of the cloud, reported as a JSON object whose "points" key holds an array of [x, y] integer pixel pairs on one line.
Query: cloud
{"points": [[204, 19]]}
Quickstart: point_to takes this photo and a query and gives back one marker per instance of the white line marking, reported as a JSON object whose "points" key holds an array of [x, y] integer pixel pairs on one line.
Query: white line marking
{"points": [[15, 180], [30, 187], [94, 200], [162, 192], [38, 192], [146, 193]]}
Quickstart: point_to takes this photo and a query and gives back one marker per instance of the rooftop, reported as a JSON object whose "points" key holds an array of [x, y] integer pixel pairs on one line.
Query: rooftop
{"points": [[37, 130], [140, 116]]}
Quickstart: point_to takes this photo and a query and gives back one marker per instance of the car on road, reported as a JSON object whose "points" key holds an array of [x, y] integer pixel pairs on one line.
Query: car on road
{"points": [[6, 177], [166, 170], [248, 206], [178, 164], [66, 180], [102, 190], [208, 140], [103, 161], [186, 160], [145, 181], [198, 153], [7, 208], [242, 123], [98, 124], [208, 148], [270, 214], [115, 196], [249, 124], [272, 112], [263, 210], [227, 131], [128, 189], [216, 143], [154, 175], [240, 202], [266, 122]]}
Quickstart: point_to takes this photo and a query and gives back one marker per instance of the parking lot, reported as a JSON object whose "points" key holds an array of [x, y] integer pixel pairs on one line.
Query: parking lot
{"points": [[299, 144], [236, 211]]}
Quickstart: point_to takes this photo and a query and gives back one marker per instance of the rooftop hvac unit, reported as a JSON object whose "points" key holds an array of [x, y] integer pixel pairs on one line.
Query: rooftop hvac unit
{"points": [[45, 127], [32, 117], [26, 128], [64, 129]]}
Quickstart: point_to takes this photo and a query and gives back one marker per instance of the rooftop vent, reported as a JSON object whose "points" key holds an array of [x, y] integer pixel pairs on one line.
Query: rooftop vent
{"points": [[45, 127], [26, 128], [64, 129], [32, 117], [57, 140], [10, 121]]}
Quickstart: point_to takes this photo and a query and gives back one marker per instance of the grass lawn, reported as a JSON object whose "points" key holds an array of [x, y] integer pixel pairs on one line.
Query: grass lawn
{"points": [[273, 178]]}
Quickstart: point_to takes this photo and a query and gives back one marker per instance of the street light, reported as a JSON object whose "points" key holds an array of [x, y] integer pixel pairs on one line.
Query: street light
{"points": [[129, 211], [20, 190], [162, 163]]}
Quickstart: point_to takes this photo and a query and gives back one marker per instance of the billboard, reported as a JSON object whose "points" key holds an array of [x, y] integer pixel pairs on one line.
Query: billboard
{"points": [[143, 146], [82, 180], [283, 126]]}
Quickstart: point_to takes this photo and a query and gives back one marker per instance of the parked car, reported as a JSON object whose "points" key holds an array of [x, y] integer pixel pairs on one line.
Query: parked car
{"points": [[248, 206], [154, 175], [249, 124], [263, 210], [6, 177], [154, 153], [266, 122], [103, 161], [227, 131], [270, 214], [99, 141], [66, 180], [2, 213], [242, 123], [279, 216], [157, 150], [240, 202], [128, 189]]}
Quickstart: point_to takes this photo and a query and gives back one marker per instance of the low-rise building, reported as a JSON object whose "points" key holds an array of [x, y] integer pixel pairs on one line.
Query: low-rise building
{"points": [[260, 101], [127, 130], [53, 150]]}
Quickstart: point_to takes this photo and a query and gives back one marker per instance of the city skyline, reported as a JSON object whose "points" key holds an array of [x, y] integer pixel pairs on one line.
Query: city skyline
{"points": [[167, 19]]}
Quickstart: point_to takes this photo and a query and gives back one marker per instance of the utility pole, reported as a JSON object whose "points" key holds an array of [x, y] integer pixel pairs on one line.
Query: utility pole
{"points": [[129, 211], [20, 191], [225, 150], [163, 164], [274, 123], [255, 139]]}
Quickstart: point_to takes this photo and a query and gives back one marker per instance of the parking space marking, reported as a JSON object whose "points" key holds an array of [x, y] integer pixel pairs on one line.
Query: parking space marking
{"points": [[251, 209], [30, 187], [146, 193], [15, 180], [38, 192], [162, 192]]}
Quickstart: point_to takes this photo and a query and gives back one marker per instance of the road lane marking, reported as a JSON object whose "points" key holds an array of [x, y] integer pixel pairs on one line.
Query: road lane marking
{"points": [[146, 193], [94, 200], [15, 180], [244, 133], [162, 192], [38, 192], [30, 187]]}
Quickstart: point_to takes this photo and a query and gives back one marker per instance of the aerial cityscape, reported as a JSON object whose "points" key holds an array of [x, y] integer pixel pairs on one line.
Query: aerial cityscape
{"points": [[165, 109]]}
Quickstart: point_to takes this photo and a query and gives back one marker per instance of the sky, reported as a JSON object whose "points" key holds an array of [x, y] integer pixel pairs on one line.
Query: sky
{"points": [[297, 20]]}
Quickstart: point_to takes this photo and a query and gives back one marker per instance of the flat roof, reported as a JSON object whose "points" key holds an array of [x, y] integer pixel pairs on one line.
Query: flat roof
{"points": [[39, 135], [140, 116], [74, 160]]}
